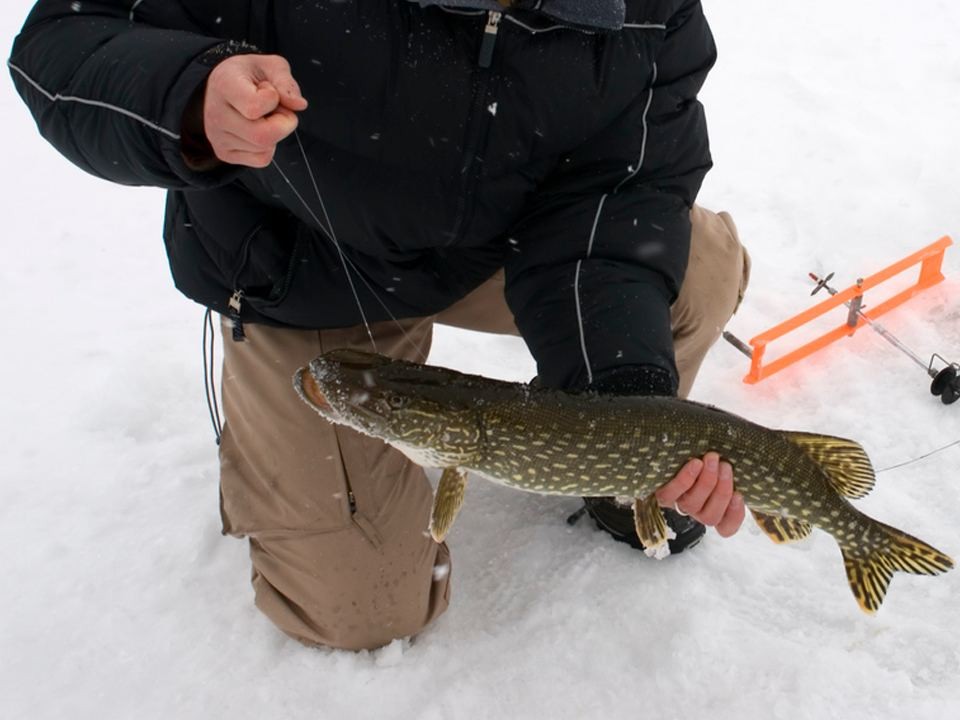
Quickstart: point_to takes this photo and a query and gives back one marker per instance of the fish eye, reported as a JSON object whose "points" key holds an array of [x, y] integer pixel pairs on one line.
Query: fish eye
{"points": [[396, 401]]}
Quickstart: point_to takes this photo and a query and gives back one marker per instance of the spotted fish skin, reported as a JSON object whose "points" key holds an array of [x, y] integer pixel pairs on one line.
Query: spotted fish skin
{"points": [[557, 443]]}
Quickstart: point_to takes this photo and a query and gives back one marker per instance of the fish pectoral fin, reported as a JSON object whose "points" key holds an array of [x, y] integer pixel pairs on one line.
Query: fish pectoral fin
{"points": [[652, 528], [782, 529], [844, 462], [447, 502]]}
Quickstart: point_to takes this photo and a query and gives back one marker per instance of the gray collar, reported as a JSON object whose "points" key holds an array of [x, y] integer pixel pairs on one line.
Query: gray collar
{"points": [[600, 14]]}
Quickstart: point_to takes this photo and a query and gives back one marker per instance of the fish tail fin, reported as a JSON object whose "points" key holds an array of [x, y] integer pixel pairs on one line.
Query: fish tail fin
{"points": [[870, 569]]}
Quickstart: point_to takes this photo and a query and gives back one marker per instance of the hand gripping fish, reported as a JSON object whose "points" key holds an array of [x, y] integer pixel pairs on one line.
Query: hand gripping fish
{"points": [[583, 444]]}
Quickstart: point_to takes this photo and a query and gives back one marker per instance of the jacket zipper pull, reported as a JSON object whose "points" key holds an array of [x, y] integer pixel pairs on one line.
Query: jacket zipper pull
{"points": [[489, 38], [234, 303]]}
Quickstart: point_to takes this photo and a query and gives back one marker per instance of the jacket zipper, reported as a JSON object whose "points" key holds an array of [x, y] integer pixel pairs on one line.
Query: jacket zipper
{"points": [[489, 38], [235, 303], [472, 166]]}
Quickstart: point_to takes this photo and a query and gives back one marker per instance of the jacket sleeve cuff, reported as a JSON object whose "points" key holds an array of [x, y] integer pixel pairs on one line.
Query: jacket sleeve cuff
{"points": [[186, 156], [635, 380]]}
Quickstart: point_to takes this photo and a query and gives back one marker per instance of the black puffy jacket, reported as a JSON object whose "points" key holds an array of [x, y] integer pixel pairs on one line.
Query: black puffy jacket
{"points": [[570, 156]]}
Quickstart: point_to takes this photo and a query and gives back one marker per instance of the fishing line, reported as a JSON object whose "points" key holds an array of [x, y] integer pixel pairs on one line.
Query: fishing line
{"points": [[347, 262], [209, 378], [328, 230], [316, 185], [330, 233], [918, 459]]}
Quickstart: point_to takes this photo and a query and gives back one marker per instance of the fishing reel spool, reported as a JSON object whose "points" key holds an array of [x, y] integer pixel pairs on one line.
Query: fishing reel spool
{"points": [[946, 382]]}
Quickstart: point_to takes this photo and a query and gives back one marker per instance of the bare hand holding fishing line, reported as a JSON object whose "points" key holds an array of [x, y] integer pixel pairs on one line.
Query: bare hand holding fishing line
{"points": [[250, 105]]}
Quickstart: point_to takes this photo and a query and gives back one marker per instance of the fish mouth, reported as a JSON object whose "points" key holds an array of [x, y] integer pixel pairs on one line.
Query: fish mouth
{"points": [[322, 386], [309, 390], [317, 385]]}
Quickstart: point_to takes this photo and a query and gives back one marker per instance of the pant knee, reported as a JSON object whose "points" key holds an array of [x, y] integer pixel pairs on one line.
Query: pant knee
{"points": [[739, 258], [717, 275], [347, 591]]}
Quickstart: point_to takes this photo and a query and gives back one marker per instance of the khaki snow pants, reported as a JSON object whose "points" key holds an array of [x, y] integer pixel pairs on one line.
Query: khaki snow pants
{"points": [[337, 522]]}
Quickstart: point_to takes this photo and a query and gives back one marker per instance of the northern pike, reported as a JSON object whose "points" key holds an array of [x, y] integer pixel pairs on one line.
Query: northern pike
{"points": [[590, 445]]}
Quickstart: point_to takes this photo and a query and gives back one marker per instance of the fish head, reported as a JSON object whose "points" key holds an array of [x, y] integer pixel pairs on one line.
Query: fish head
{"points": [[419, 409]]}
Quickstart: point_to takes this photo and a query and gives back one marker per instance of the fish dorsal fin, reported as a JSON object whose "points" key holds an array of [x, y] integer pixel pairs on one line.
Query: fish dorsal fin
{"points": [[844, 462], [782, 529]]}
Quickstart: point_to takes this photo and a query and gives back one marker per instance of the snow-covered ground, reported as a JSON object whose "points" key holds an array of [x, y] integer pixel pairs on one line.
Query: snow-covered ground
{"points": [[835, 133]]}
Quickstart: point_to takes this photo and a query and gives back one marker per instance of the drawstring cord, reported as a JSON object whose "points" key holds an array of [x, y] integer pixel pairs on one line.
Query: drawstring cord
{"points": [[209, 374]]}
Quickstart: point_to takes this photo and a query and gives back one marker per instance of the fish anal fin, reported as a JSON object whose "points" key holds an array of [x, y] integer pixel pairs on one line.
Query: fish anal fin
{"points": [[447, 502], [844, 462], [651, 527], [782, 529]]}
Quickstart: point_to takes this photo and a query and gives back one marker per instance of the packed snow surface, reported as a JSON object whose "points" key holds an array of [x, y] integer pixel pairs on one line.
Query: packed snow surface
{"points": [[836, 142]]}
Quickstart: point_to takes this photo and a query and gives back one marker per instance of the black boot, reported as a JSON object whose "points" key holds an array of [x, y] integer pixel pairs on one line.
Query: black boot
{"points": [[617, 519]]}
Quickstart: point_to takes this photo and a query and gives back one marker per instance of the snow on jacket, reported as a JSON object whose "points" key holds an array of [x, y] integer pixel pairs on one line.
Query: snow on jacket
{"points": [[568, 155]]}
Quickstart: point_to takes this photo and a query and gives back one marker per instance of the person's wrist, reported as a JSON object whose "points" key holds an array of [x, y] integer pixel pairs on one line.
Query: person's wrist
{"points": [[195, 148], [198, 154]]}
